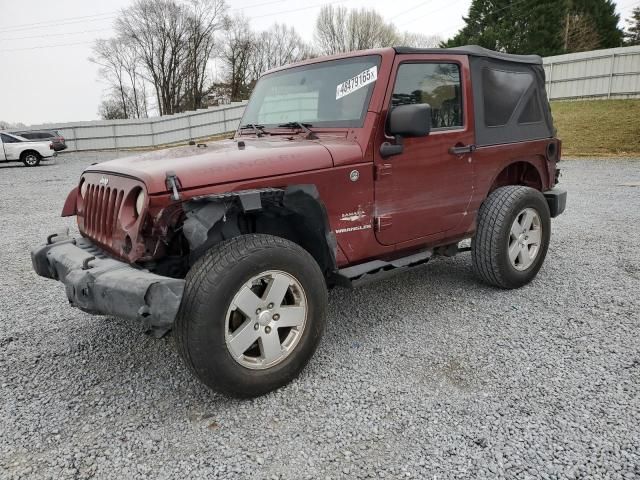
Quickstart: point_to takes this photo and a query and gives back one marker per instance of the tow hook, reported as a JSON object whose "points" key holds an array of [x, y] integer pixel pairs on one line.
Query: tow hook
{"points": [[173, 183]]}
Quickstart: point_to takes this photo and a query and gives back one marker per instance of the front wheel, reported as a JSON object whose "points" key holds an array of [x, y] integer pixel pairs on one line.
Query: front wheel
{"points": [[31, 159], [511, 242], [252, 314]]}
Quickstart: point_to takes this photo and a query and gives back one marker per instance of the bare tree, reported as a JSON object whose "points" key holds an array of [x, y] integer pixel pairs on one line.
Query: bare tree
{"points": [[120, 67], [237, 54], [107, 55], [331, 30], [112, 107], [280, 45], [206, 18], [420, 40], [581, 34], [166, 44], [341, 30], [158, 29], [367, 29]]}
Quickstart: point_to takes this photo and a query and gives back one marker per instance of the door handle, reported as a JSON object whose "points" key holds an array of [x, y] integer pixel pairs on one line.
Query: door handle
{"points": [[462, 149]]}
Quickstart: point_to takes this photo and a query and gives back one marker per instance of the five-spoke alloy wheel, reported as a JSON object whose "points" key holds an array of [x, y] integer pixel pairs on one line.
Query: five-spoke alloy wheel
{"points": [[512, 237], [252, 314], [266, 320], [525, 239]]}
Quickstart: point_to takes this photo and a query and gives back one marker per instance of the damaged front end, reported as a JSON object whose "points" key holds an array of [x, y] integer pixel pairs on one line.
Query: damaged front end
{"points": [[98, 284], [145, 281]]}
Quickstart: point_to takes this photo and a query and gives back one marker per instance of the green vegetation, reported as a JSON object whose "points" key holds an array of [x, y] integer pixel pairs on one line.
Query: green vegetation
{"points": [[598, 127], [545, 27]]}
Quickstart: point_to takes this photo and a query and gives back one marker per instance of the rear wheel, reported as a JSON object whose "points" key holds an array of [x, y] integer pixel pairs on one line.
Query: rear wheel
{"points": [[511, 242], [31, 159], [252, 314]]}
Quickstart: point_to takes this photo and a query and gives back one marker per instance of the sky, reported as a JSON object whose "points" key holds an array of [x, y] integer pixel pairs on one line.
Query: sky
{"points": [[46, 75]]}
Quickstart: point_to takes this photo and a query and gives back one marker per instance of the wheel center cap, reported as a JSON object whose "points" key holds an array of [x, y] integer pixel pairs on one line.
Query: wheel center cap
{"points": [[264, 318]]}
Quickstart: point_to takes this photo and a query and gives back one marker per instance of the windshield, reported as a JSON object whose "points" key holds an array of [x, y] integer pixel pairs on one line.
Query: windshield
{"points": [[335, 93]]}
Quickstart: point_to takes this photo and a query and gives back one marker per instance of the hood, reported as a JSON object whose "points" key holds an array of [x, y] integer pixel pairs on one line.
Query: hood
{"points": [[221, 162]]}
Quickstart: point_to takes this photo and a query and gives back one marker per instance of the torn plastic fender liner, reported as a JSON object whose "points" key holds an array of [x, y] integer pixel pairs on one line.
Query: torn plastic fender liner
{"points": [[201, 217], [101, 285], [205, 212], [305, 201]]}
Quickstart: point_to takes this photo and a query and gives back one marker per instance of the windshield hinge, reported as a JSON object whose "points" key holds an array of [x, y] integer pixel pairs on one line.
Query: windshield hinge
{"points": [[382, 170], [173, 184], [383, 222]]}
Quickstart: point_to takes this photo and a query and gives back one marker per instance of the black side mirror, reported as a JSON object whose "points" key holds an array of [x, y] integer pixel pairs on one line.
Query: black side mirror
{"points": [[406, 121], [410, 120]]}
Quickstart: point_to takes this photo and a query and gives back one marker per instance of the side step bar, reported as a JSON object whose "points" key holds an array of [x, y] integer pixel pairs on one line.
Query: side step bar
{"points": [[379, 269]]}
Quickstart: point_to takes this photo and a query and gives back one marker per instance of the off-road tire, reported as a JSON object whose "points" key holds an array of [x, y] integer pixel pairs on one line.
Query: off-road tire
{"points": [[212, 282], [30, 158], [490, 245]]}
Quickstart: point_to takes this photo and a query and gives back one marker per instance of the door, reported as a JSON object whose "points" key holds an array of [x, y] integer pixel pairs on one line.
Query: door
{"points": [[12, 147], [425, 191]]}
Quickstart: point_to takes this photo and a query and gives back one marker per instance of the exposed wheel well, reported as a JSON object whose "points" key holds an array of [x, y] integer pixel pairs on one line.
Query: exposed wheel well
{"points": [[518, 173], [298, 229], [26, 152], [295, 213]]}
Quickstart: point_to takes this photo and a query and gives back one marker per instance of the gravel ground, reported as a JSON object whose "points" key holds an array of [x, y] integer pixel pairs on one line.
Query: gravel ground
{"points": [[426, 375]]}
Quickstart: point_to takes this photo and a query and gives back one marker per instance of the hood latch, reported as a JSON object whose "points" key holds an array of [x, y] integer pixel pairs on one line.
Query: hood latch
{"points": [[173, 184]]}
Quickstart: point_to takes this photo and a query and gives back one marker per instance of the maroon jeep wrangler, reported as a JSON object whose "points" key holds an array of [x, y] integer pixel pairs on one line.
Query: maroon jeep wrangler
{"points": [[343, 169]]}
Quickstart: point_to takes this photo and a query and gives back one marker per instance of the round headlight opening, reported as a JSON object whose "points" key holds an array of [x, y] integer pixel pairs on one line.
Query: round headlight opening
{"points": [[140, 202], [83, 189]]}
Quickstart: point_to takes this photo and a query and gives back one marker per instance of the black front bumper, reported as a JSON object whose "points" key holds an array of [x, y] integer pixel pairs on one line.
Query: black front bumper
{"points": [[557, 200], [102, 285]]}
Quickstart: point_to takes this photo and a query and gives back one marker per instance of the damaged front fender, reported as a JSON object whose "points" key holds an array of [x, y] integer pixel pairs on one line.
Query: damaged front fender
{"points": [[295, 212]]}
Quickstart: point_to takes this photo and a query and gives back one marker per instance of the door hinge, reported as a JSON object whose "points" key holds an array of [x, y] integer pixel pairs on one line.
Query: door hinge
{"points": [[382, 170], [383, 222]]}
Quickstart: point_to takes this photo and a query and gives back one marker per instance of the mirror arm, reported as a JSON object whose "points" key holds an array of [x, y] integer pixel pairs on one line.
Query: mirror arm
{"points": [[388, 149]]}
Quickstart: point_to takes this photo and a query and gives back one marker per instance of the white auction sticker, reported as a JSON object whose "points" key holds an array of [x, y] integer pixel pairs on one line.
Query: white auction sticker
{"points": [[356, 83]]}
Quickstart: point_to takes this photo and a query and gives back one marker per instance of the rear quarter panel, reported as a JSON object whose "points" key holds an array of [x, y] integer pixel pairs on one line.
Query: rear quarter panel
{"points": [[492, 160]]}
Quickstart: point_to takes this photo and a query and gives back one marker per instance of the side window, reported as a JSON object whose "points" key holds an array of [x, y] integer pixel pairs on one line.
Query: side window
{"points": [[503, 91], [8, 139], [437, 84]]}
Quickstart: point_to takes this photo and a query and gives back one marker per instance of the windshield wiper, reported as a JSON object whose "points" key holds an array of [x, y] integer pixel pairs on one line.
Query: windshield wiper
{"points": [[257, 129], [302, 126]]}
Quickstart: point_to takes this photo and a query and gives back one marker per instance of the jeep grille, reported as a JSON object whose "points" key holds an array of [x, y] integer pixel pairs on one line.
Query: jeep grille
{"points": [[101, 208]]}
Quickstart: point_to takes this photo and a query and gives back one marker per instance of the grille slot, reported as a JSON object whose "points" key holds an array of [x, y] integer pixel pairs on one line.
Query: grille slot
{"points": [[102, 205]]}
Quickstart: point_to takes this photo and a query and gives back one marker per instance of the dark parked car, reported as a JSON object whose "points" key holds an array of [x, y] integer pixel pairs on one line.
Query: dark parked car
{"points": [[50, 135]]}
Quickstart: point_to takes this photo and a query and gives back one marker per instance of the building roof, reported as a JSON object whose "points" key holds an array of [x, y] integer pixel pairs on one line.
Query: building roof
{"points": [[474, 51]]}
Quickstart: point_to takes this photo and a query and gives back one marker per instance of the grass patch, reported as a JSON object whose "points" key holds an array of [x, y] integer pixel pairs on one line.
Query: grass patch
{"points": [[598, 127]]}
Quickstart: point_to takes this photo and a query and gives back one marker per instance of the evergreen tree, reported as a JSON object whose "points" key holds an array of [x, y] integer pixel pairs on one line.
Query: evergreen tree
{"points": [[545, 27], [602, 16], [514, 26], [632, 35]]}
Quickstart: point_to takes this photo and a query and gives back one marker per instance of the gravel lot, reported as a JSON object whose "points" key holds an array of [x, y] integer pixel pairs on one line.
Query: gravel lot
{"points": [[426, 375]]}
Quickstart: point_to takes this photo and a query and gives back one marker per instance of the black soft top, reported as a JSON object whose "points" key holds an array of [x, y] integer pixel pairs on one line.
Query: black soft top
{"points": [[509, 97], [474, 51]]}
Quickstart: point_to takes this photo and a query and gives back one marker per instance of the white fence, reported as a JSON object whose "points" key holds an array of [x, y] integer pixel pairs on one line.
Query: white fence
{"points": [[148, 132], [611, 73]]}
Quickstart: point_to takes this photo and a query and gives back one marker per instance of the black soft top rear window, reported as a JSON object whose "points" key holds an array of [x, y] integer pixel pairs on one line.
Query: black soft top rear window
{"points": [[510, 102]]}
